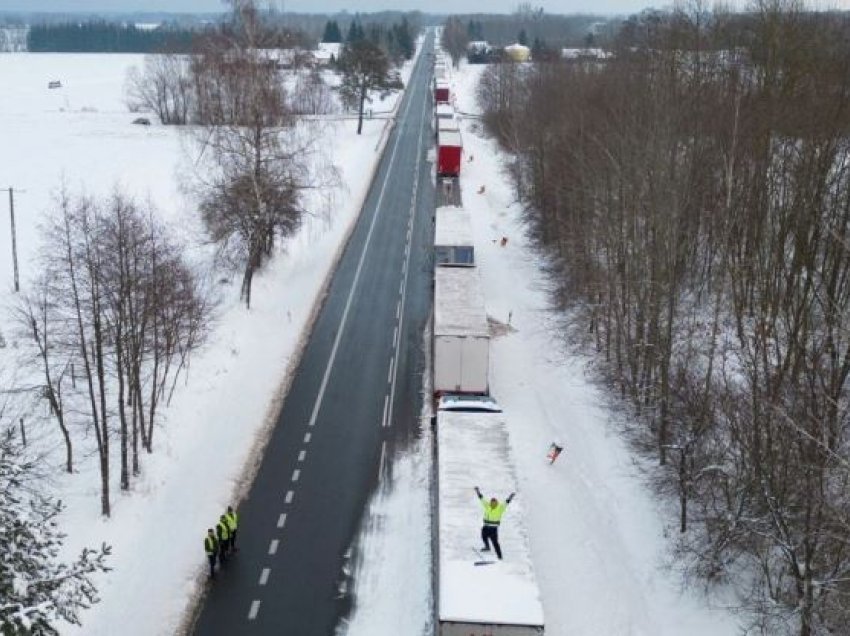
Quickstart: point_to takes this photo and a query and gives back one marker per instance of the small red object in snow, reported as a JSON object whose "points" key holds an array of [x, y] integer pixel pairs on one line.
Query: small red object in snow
{"points": [[554, 451]]}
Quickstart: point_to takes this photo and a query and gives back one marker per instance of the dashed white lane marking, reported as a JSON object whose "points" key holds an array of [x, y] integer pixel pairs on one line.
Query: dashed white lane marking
{"points": [[289, 495], [395, 336], [390, 370], [281, 520], [307, 436], [384, 417], [383, 457], [255, 608], [273, 546], [355, 283], [264, 576], [296, 474], [402, 291], [302, 455]]}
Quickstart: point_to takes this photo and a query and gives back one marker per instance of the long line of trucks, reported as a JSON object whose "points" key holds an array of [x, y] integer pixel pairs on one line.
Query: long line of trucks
{"points": [[474, 595], [449, 140]]}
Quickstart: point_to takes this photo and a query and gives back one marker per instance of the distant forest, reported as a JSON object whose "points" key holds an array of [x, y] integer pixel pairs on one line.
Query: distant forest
{"points": [[107, 37], [544, 29]]}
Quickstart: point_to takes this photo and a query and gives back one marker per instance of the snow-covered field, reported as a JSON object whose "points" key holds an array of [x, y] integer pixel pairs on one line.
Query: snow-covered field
{"points": [[81, 134], [596, 534], [596, 531]]}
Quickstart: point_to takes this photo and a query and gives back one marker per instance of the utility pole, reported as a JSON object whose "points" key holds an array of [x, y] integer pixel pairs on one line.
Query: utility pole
{"points": [[14, 235]]}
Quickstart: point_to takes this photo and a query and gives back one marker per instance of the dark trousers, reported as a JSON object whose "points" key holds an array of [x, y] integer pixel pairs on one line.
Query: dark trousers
{"points": [[232, 540], [211, 559], [222, 551], [491, 533]]}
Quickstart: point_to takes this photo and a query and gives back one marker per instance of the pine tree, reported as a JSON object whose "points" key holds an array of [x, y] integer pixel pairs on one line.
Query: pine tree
{"points": [[36, 590], [332, 32]]}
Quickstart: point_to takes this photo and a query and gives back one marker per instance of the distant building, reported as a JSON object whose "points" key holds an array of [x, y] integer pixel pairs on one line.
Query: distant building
{"points": [[327, 53], [586, 54], [481, 52]]}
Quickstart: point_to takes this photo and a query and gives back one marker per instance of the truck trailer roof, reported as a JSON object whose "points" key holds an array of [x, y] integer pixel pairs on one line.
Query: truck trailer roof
{"points": [[450, 138], [472, 451], [459, 303], [453, 227]]}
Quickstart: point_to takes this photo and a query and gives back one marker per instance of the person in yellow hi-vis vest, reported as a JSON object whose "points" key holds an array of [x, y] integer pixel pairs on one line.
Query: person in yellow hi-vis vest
{"points": [[223, 535], [232, 519], [211, 547], [493, 511]]}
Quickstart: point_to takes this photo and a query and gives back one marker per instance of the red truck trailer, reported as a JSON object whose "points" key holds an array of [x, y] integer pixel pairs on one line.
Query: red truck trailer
{"points": [[442, 94], [449, 151]]}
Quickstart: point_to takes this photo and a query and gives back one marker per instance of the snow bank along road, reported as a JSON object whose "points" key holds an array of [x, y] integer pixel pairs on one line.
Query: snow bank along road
{"points": [[357, 389]]}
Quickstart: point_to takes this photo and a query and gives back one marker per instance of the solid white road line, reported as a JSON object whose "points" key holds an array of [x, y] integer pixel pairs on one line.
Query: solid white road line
{"points": [[281, 520], [264, 576], [255, 608], [273, 546]]}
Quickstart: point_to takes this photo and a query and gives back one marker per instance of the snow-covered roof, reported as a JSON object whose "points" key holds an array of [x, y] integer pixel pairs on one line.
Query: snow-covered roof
{"points": [[450, 138], [459, 303], [593, 53], [473, 451], [332, 48], [447, 123], [453, 227], [441, 83], [445, 111], [479, 45], [326, 51]]}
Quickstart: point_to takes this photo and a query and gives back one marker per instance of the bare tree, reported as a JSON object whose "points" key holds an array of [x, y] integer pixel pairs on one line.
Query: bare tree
{"points": [[255, 154], [164, 87], [454, 39]]}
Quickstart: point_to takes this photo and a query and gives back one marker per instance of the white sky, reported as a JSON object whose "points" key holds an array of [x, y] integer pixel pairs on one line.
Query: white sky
{"points": [[320, 6]]}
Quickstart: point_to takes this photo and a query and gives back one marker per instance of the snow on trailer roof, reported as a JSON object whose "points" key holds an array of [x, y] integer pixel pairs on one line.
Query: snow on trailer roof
{"points": [[447, 123], [473, 451], [453, 227], [459, 303], [446, 111], [450, 138]]}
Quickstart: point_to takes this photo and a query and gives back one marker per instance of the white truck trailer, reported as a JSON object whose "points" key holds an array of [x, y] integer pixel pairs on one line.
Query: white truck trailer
{"points": [[461, 333], [479, 595], [453, 244]]}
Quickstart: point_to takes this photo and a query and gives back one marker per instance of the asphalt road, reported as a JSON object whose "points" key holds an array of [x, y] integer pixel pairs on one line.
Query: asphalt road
{"points": [[355, 395]]}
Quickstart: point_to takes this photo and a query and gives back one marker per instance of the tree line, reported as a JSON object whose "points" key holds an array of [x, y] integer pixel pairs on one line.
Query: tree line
{"points": [[100, 36], [692, 197]]}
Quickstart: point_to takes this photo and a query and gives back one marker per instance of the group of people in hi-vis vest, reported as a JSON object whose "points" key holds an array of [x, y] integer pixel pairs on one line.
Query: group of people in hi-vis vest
{"points": [[221, 542]]}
